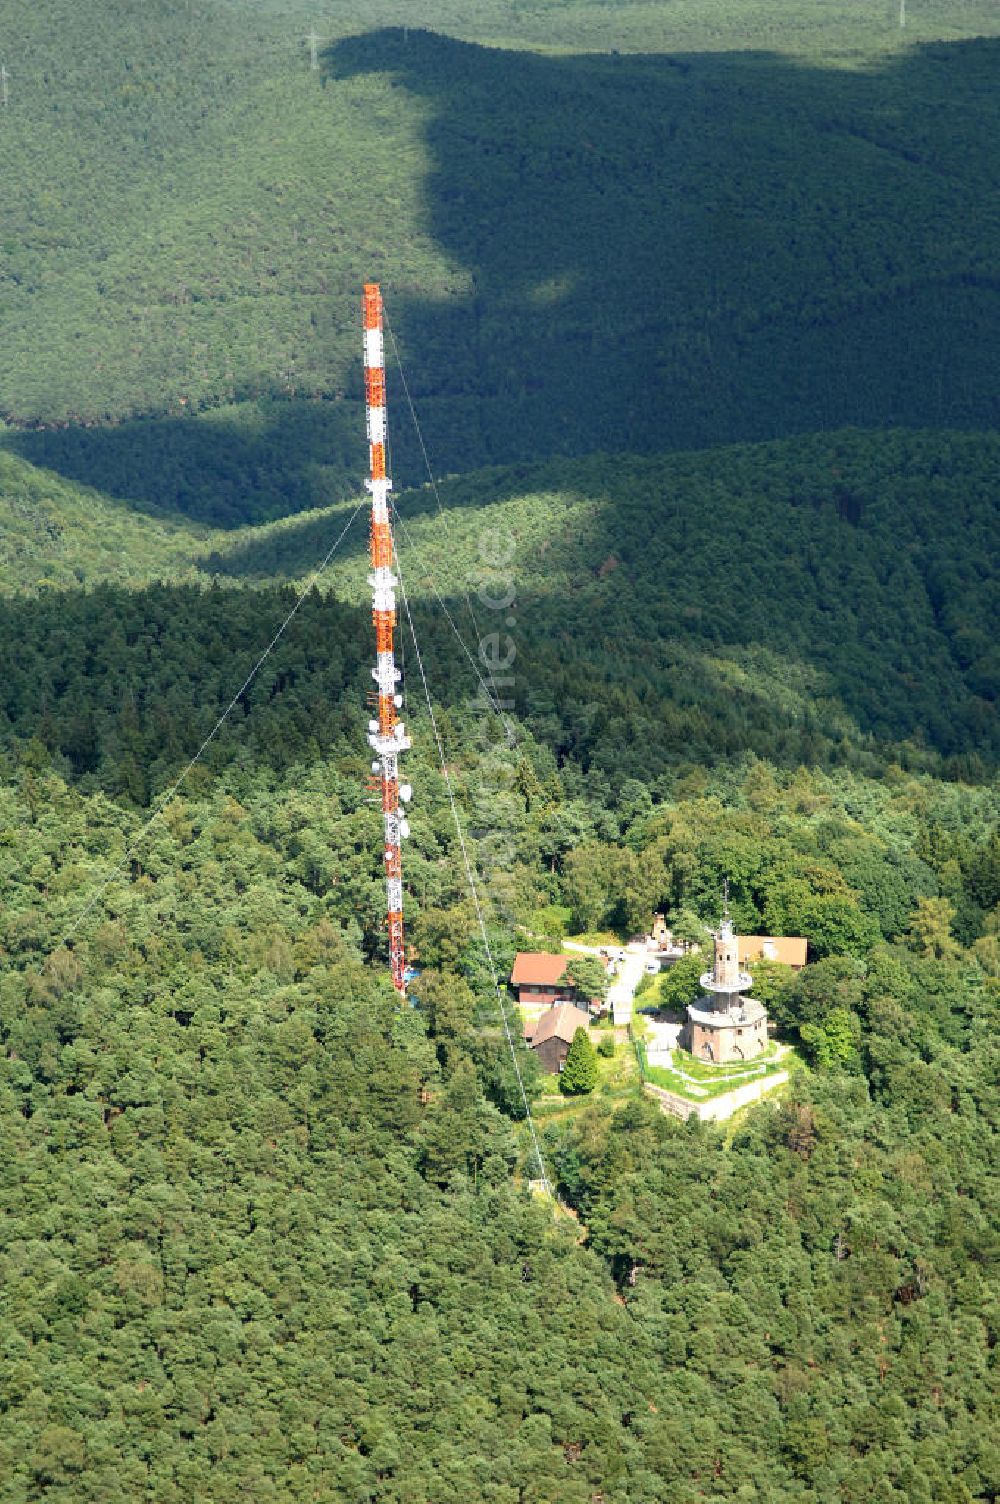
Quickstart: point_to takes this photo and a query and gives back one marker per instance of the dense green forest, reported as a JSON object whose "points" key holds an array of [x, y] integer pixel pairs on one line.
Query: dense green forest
{"points": [[698, 306], [646, 246], [262, 1220], [231, 1152], [830, 600]]}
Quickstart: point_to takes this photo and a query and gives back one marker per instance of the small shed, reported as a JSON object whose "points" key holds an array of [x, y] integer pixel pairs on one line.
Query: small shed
{"points": [[555, 1033]]}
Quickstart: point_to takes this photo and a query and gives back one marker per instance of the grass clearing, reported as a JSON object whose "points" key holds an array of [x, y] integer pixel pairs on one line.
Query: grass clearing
{"points": [[697, 1081], [647, 993], [597, 939], [690, 1065], [618, 1077]]}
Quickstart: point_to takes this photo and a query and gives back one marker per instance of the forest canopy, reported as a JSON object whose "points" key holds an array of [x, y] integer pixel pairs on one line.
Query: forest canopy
{"points": [[697, 306]]}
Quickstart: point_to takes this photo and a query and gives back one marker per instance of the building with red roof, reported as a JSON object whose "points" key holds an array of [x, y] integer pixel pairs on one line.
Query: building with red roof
{"points": [[540, 979], [790, 950]]}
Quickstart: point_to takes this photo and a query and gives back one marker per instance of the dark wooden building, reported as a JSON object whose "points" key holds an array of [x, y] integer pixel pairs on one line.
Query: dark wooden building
{"points": [[554, 1034]]}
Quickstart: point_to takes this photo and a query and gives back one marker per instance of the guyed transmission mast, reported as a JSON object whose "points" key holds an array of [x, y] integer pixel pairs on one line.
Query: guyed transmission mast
{"points": [[386, 733]]}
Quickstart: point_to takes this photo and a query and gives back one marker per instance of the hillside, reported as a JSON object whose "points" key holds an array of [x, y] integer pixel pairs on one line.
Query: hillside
{"points": [[823, 600], [56, 533], [639, 249], [699, 305], [263, 1225]]}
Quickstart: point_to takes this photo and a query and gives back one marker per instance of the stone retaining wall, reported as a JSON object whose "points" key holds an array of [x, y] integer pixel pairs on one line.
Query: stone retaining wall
{"points": [[717, 1109]]}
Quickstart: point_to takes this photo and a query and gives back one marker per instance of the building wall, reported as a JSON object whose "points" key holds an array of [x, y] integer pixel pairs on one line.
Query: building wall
{"points": [[719, 1108], [552, 1055], [734, 1042], [727, 963], [546, 994]]}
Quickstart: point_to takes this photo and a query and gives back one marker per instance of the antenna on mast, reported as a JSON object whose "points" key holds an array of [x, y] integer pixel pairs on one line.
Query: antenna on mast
{"points": [[386, 733]]}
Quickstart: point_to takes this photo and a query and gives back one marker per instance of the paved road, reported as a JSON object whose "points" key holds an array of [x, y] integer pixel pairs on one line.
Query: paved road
{"points": [[622, 990], [662, 1038], [621, 993]]}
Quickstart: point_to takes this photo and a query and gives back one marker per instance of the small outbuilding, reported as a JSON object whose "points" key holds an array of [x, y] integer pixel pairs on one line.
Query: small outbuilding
{"points": [[790, 950], [554, 1033]]}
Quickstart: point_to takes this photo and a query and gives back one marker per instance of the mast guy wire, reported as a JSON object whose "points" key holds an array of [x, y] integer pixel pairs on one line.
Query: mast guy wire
{"points": [[474, 891], [175, 786], [437, 497]]}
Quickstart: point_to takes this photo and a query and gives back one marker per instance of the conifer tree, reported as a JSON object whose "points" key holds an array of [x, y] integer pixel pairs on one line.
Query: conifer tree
{"points": [[580, 1071]]}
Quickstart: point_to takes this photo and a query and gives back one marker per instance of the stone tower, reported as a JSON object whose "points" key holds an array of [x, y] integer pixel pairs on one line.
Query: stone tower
{"points": [[725, 1026], [725, 979]]}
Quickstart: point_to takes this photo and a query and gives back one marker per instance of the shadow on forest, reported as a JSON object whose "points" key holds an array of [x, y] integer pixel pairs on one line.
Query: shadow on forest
{"points": [[122, 707], [272, 459], [663, 252], [122, 686], [671, 252], [786, 581], [293, 550]]}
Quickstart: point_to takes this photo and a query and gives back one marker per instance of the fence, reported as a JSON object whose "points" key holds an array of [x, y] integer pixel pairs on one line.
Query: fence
{"points": [[715, 1108]]}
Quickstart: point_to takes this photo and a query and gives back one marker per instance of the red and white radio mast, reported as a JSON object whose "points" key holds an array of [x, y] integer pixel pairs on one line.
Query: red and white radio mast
{"points": [[386, 734]]}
